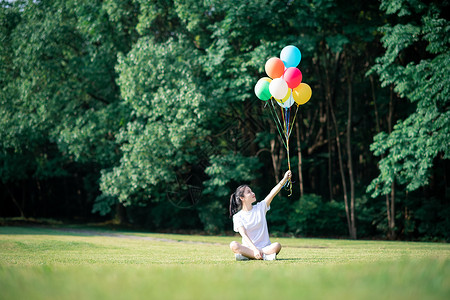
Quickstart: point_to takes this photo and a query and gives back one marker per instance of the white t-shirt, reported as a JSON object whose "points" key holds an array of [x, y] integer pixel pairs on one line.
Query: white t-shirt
{"points": [[255, 224]]}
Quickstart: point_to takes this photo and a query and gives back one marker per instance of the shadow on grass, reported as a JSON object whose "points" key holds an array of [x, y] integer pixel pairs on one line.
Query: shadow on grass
{"points": [[67, 230], [82, 231]]}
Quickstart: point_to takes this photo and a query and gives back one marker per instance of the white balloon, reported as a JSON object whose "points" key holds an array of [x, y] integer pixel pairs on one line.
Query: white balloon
{"points": [[278, 88]]}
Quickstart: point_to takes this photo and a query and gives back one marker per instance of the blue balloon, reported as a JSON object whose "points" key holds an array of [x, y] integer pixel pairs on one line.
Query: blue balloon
{"points": [[291, 56]]}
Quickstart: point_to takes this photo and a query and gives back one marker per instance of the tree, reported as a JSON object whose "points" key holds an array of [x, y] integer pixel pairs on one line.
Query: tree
{"points": [[169, 81], [416, 63], [146, 110], [339, 45], [60, 103]]}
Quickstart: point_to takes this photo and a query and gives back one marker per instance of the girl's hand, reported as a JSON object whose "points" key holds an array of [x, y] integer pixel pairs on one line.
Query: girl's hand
{"points": [[287, 175], [258, 254]]}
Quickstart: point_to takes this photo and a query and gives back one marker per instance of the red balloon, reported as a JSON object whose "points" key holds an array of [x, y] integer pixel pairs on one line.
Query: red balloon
{"points": [[293, 77]]}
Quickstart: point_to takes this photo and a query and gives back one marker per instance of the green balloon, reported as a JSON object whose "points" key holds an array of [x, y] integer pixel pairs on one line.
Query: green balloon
{"points": [[262, 89]]}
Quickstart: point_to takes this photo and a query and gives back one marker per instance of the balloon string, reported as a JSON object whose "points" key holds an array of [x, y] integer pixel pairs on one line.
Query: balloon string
{"points": [[286, 130], [276, 115], [289, 186], [278, 124], [285, 121], [293, 121]]}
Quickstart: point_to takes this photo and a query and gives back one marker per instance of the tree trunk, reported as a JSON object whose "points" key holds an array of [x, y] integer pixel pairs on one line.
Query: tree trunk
{"points": [[300, 176], [276, 158], [349, 154], [120, 214], [392, 235], [391, 216], [330, 166], [390, 201], [341, 169], [375, 106], [14, 200], [40, 207], [352, 232]]}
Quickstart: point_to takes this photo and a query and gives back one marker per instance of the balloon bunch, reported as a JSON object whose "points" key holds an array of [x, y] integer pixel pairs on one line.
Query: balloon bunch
{"points": [[284, 84]]}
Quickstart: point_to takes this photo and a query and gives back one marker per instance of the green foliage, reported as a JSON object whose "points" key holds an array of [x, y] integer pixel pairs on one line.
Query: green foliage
{"points": [[150, 104], [103, 204], [231, 168], [226, 173], [411, 149], [432, 221], [158, 147], [59, 105], [311, 216]]}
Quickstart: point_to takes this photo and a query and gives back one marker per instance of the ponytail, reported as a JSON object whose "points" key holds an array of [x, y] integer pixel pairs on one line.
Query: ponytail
{"points": [[235, 200]]}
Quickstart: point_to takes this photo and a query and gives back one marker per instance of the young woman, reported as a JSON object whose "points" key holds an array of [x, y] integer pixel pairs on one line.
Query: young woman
{"points": [[250, 222]]}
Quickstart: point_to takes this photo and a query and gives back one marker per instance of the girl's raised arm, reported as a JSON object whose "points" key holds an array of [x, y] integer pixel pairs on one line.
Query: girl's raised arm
{"points": [[277, 188]]}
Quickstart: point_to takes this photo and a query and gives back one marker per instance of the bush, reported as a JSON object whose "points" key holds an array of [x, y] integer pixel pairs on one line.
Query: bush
{"points": [[311, 216]]}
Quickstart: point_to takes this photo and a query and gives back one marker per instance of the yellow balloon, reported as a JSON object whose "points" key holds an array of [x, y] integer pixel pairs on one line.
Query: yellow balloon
{"points": [[287, 96], [302, 93]]}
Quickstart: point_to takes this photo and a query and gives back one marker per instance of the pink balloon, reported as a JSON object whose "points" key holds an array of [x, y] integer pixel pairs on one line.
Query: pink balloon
{"points": [[293, 77]]}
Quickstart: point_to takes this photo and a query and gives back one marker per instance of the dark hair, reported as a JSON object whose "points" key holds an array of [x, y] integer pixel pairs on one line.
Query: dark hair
{"points": [[235, 200]]}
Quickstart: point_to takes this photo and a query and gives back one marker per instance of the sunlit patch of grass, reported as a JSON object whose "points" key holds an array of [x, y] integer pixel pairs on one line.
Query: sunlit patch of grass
{"points": [[44, 263]]}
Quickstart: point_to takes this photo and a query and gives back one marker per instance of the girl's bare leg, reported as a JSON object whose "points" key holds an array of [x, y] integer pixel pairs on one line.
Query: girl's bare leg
{"points": [[272, 248], [241, 249]]}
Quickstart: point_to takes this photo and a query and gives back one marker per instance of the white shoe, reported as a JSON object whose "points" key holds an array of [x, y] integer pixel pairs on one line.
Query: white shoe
{"points": [[272, 256], [241, 257]]}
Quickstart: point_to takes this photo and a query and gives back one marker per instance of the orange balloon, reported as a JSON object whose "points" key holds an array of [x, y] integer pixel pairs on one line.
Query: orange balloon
{"points": [[302, 93], [274, 67]]}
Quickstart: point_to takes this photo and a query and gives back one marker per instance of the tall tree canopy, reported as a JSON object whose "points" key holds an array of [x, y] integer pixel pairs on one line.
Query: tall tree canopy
{"points": [[417, 64], [145, 111]]}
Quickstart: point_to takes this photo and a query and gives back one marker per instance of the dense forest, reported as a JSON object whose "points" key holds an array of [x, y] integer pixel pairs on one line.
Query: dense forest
{"points": [[144, 112]]}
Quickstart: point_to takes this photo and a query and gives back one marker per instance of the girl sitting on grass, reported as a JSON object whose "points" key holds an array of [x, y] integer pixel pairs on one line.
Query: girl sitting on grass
{"points": [[250, 222]]}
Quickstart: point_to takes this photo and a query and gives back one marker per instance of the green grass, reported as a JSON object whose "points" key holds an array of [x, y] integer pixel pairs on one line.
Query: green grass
{"points": [[45, 263]]}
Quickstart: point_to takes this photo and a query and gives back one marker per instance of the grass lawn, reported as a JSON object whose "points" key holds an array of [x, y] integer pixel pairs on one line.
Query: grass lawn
{"points": [[71, 263]]}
